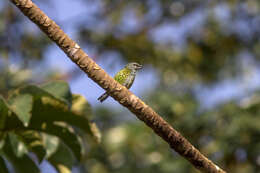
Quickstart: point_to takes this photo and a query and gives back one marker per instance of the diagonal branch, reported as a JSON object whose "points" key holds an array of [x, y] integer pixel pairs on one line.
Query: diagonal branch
{"points": [[117, 91]]}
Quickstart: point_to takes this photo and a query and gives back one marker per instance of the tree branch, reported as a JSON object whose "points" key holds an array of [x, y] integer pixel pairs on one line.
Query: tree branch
{"points": [[117, 91]]}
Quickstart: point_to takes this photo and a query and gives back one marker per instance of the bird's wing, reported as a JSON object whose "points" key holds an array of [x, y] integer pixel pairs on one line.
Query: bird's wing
{"points": [[122, 75]]}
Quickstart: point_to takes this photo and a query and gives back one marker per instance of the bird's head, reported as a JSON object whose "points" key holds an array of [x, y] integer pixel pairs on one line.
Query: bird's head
{"points": [[134, 66]]}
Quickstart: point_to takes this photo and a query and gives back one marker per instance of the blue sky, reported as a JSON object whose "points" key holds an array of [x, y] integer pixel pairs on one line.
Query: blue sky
{"points": [[62, 11], [83, 85]]}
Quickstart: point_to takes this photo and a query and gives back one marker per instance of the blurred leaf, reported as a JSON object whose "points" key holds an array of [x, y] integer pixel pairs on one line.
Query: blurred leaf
{"points": [[96, 132], [22, 164], [51, 111], [51, 144], [62, 159], [82, 108], [63, 132], [62, 94], [3, 113], [2, 143], [21, 105], [13, 122], [81, 105], [34, 143], [3, 165], [18, 146], [60, 90]]}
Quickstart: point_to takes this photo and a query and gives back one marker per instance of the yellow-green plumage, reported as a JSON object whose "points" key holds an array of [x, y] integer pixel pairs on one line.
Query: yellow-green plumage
{"points": [[122, 75]]}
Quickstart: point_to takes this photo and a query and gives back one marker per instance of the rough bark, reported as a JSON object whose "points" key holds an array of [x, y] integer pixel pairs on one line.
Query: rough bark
{"points": [[117, 91]]}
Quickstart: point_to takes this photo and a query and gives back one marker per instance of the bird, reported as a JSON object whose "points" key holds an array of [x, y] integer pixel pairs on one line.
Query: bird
{"points": [[125, 77]]}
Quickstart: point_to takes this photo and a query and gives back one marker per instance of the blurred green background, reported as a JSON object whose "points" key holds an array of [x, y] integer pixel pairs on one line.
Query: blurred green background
{"points": [[201, 74]]}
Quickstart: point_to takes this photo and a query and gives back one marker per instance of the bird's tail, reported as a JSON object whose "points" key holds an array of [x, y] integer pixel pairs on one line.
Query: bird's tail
{"points": [[103, 97]]}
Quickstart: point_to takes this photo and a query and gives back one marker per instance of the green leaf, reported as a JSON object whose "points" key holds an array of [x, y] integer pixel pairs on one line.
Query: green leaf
{"points": [[51, 144], [34, 143], [18, 146], [63, 132], [22, 164], [3, 166], [82, 108], [52, 112], [38, 93], [3, 112], [59, 90], [96, 132], [49, 107], [62, 159], [81, 105], [2, 143], [13, 122], [21, 105]]}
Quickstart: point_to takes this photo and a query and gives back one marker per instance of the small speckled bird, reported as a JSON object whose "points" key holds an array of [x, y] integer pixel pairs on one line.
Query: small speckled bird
{"points": [[125, 76]]}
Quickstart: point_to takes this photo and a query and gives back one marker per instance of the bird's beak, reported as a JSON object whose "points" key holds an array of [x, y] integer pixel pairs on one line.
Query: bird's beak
{"points": [[139, 66]]}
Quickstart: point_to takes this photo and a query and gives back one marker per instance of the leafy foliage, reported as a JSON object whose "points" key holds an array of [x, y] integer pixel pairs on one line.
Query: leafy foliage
{"points": [[40, 120]]}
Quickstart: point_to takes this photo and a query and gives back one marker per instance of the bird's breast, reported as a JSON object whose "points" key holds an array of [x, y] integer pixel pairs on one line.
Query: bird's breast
{"points": [[129, 81]]}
